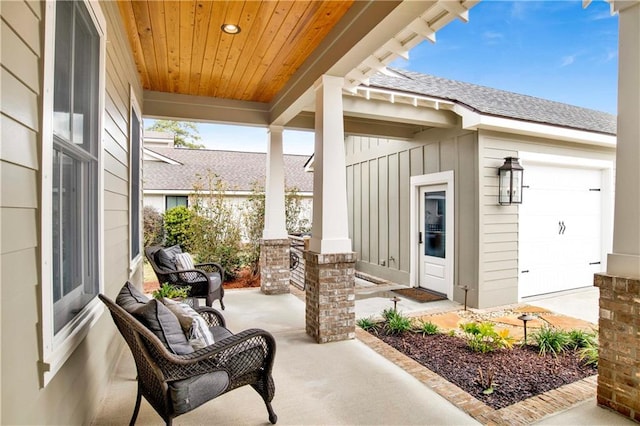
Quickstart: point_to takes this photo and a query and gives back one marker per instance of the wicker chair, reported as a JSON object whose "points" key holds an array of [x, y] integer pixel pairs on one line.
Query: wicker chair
{"points": [[246, 358], [207, 284]]}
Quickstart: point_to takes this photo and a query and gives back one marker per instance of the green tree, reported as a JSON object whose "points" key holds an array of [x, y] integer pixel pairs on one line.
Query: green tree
{"points": [[214, 229], [185, 133]]}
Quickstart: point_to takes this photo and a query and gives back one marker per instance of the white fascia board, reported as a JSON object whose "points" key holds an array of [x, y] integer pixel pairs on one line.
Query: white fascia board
{"points": [[474, 121], [148, 153]]}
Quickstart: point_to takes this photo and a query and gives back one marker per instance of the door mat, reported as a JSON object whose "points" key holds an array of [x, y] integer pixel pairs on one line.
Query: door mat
{"points": [[420, 295]]}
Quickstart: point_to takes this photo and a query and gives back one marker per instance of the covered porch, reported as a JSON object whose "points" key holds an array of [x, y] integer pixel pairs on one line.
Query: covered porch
{"points": [[343, 383]]}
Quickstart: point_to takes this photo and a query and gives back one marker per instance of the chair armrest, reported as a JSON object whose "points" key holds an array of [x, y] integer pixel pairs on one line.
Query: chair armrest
{"points": [[212, 316], [211, 267], [224, 355]]}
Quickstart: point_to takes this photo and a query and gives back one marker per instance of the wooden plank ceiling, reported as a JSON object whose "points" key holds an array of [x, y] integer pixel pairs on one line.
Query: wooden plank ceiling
{"points": [[179, 47]]}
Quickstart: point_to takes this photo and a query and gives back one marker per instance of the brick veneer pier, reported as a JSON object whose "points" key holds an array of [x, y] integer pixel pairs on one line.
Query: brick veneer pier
{"points": [[619, 357], [274, 266], [330, 296]]}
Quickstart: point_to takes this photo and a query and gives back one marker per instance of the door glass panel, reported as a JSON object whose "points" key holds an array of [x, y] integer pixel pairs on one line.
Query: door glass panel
{"points": [[435, 223]]}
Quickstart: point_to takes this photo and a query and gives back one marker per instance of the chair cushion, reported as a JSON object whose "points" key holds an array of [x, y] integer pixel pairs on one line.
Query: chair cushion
{"points": [[164, 324], [193, 325], [166, 257], [130, 298], [185, 261], [219, 332], [190, 393]]}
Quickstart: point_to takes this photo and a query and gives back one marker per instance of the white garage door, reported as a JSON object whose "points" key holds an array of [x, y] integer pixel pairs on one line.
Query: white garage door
{"points": [[560, 229]]}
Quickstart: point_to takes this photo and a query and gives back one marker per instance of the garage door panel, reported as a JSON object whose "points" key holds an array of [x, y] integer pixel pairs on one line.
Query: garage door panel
{"points": [[559, 229]]}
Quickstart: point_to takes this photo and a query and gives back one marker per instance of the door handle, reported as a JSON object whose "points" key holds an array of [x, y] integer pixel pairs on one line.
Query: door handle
{"points": [[419, 237], [562, 227]]}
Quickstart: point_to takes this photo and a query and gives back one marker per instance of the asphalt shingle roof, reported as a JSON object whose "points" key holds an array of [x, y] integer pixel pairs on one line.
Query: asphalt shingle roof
{"points": [[239, 170], [498, 102]]}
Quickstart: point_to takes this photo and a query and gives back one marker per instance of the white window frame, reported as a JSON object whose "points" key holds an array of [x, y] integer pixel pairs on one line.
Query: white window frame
{"points": [[57, 348], [134, 105]]}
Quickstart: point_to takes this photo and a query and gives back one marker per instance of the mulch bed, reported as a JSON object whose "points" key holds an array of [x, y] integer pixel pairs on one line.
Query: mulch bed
{"points": [[519, 373]]}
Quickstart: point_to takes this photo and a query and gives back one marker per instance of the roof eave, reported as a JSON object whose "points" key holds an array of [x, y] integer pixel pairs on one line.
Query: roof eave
{"points": [[473, 120]]}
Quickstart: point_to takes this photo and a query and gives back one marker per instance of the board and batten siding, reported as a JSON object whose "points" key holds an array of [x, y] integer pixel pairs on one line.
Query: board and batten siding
{"points": [[378, 188], [498, 236], [74, 393]]}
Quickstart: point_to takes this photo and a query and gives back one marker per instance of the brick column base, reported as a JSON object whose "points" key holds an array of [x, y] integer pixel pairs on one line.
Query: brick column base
{"points": [[619, 354], [274, 266], [330, 296]]}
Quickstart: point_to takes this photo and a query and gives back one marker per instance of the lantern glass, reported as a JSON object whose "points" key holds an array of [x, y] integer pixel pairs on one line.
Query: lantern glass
{"points": [[510, 182]]}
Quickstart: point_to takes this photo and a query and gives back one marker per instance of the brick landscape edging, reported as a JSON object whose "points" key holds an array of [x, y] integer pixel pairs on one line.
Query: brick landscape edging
{"points": [[522, 413]]}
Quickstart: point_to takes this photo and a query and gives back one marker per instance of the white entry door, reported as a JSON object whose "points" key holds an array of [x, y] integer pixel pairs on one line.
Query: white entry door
{"points": [[560, 229], [435, 252]]}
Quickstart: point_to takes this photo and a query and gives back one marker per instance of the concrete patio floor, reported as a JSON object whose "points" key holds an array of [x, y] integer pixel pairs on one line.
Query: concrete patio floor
{"points": [[342, 383]]}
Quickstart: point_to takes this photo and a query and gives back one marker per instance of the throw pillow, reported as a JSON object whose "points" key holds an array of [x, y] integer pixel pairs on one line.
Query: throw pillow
{"points": [[193, 325], [130, 298], [164, 324], [166, 257], [185, 261]]}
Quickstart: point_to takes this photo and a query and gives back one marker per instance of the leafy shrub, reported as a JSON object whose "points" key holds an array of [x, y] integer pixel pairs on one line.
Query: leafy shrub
{"points": [[396, 322], [427, 328], [170, 291], [177, 224], [482, 337], [153, 226], [366, 324], [551, 340]]}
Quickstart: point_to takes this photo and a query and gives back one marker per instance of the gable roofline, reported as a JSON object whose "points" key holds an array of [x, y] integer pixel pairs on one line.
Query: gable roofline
{"points": [[150, 153], [491, 109]]}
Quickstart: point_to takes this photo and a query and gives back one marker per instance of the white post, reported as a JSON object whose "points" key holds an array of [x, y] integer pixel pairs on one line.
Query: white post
{"points": [[274, 215], [330, 232], [625, 259]]}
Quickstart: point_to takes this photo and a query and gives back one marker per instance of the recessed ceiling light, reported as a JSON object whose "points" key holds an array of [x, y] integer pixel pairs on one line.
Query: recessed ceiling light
{"points": [[230, 28]]}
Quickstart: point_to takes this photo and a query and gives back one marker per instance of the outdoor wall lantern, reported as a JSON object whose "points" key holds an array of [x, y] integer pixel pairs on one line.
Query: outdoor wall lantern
{"points": [[510, 182]]}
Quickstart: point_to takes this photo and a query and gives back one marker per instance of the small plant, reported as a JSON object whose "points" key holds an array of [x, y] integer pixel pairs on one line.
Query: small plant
{"points": [[367, 324], [482, 337], [589, 353], [427, 328], [486, 380], [171, 292], [551, 340], [396, 322], [580, 339], [388, 313]]}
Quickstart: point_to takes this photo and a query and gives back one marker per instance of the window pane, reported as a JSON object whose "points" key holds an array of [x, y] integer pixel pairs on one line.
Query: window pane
{"points": [[85, 78], [75, 173], [63, 66], [175, 201], [435, 223], [135, 184]]}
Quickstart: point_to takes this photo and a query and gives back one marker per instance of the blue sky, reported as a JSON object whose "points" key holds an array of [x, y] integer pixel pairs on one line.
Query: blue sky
{"points": [[550, 49]]}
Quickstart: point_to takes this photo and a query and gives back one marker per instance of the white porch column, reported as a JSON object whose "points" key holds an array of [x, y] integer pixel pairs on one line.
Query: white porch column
{"points": [[329, 262], [619, 351], [330, 232], [274, 216], [274, 248], [625, 259]]}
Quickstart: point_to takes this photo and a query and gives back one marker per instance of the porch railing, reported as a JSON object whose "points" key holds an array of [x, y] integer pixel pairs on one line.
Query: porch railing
{"points": [[298, 246]]}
